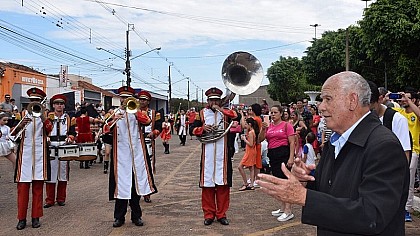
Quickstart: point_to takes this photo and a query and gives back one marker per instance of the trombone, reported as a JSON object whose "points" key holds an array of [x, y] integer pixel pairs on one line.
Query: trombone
{"points": [[34, 109], [130, 105]]}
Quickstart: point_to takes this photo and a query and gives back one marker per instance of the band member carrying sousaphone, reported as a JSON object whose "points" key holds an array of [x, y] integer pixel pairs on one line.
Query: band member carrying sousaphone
{"points": [[62, 133], [216, 166], [32, 164], [131, 171], [151, 131]]}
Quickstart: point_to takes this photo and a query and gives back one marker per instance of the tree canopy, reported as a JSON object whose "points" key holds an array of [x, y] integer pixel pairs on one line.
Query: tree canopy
{"points": [[384, 48]]}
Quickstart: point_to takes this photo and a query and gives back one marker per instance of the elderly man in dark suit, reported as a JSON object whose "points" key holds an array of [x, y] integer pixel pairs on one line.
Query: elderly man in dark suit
{"points": [[361, 183]]}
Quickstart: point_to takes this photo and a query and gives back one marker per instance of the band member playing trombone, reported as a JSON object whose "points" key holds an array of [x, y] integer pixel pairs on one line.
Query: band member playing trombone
{"points": [[130, 173], [150, 131], [62, 133], [33, 165], [216, 166]]}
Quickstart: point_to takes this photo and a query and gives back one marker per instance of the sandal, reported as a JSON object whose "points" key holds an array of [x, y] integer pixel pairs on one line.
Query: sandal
{"points": [[147, 199], [249, 187], [243, 188]]}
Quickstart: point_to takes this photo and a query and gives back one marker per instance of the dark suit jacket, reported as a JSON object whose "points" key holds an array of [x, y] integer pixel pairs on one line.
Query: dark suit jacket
{"points": [[364, 190]]}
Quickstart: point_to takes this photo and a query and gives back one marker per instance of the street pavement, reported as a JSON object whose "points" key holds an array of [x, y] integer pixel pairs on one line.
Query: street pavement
{"points": [[175, 209]]}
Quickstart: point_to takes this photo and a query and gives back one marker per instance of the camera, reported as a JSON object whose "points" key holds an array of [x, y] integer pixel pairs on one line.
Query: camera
{"points": [[395, 96]]}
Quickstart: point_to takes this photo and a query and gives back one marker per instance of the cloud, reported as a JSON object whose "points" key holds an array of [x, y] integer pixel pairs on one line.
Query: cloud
{"points": [[190, 28]]}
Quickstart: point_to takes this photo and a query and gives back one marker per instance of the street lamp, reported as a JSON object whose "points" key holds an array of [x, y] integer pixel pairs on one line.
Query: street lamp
{"points": [[127, 60], [103, 49], [366, 2], [315, 25], [154, 49]]}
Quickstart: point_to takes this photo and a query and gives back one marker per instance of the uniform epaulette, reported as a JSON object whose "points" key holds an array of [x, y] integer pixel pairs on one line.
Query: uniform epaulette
{"points": [[73, 121], [51, 115]]}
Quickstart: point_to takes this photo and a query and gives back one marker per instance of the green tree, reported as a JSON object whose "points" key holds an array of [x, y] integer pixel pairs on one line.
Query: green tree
{"points": [[391, 33], [287, 79]]}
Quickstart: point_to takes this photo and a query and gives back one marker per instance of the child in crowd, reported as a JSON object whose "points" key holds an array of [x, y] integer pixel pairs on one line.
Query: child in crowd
{"points": [[166, 134], [309, 155], [6, 145], [249, 158]]}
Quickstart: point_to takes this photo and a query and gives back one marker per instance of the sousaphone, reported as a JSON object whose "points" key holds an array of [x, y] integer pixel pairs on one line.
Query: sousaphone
{"points": [[242, 74]]}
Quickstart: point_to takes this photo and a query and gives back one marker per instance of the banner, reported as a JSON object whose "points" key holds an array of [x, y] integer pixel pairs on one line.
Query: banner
{"points": [[64, 76]]}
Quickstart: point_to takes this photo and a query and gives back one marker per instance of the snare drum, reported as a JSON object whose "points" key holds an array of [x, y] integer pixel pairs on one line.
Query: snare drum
{"points": [[87, 151], [66, 152]]}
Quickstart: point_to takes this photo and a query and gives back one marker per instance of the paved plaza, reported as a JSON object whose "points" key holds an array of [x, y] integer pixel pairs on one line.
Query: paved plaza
{"points": [[175, 209]]}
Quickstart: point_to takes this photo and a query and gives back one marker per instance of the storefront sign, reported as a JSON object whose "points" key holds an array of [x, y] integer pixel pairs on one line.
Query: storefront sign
{"points": [[32, 80]]}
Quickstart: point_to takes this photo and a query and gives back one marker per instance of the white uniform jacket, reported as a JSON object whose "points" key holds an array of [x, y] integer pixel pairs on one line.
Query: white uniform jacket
{"points": [[129, 159], [32, 161], [59, 169]]}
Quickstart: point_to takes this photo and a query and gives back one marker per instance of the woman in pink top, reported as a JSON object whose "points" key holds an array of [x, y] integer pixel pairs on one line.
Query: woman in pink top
{"points": [[280, 136]]}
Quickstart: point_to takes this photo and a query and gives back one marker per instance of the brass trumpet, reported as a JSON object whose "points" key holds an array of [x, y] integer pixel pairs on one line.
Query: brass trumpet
{"points": [[130, 105], [34, 109]]}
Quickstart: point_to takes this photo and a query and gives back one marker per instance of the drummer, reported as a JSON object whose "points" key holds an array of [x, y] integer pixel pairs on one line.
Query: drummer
{"points": [[84, 133], [61, 134]]}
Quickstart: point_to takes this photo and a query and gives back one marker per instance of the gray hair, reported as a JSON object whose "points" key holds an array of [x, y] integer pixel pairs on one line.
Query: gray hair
{"points": [[353, 82]]}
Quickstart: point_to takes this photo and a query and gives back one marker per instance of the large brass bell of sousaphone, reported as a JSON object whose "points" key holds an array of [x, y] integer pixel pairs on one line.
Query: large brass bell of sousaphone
{"points": [[242, 73]]}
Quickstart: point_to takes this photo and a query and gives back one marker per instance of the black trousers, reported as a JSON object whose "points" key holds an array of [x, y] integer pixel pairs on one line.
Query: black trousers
{"points": [[183, 138], [120, 208]]}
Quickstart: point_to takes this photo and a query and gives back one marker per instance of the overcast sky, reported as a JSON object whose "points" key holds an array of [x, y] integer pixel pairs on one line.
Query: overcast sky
{"points": [[195, 36]]}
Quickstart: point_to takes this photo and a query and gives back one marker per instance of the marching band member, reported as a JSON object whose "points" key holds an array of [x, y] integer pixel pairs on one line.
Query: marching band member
{"points": [[150, 131], [32, 165], [166, 134], [130, 172], [6, 145], [181, 124], [84, 133], [62, 133], [216, 166], [107, 140]]}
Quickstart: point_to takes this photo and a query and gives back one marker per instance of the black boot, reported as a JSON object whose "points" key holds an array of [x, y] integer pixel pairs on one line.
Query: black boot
{"points": [[21, 225], [35, 223], [106, 167], [167, 148], [81, 165], [87, 165]]}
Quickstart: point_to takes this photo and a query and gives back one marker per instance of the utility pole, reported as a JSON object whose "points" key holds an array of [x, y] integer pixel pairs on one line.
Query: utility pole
{"points": [[127, 57], [315, 25], [347, 51], [202, 96], [188, 93], [170, 89], [196, 93]]}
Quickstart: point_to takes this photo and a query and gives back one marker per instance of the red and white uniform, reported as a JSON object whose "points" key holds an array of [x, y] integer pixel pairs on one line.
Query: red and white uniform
{"points": [[32, 166], [216, 167], [129, 156]]}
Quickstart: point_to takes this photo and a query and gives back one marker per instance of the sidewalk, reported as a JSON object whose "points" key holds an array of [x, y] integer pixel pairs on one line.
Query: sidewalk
{"points": [[175, 209]]}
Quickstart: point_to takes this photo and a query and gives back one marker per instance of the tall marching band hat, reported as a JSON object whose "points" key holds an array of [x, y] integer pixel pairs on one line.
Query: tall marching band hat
{"points": [[214, 93], [58, 98], [36, 93], [144, 95], [126, 91]]}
